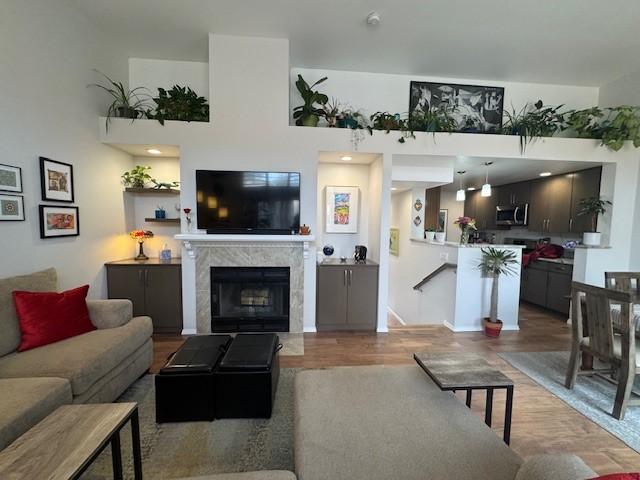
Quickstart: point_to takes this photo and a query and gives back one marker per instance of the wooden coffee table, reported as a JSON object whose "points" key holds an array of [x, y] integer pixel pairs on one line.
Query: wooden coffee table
{"points": [[467, 371], [63, 445]]}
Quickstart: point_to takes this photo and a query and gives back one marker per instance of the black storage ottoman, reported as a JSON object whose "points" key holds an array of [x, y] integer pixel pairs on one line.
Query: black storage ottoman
{"points": [[247, 377], [185, 386]]}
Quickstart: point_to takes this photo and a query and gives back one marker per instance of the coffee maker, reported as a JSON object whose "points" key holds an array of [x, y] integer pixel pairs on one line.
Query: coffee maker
{"points": [[360, 254]]}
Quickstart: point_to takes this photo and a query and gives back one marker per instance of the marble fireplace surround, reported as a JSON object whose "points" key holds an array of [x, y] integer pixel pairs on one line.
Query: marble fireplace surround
{"points": [[247, 253]]}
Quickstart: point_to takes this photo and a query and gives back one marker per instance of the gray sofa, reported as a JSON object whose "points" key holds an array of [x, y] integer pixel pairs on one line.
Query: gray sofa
{"points": [[91, 368]]}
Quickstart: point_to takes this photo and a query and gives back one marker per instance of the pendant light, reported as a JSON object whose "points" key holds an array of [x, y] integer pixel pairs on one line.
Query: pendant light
{"points": [[486, 188], [460, 194]]}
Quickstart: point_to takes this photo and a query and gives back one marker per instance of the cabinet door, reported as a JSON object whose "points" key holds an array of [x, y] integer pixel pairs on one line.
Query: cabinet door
{"points": [[535, 290], [470, 204], [521, 192], [163, 297], [362, 308], [538, 206], [586, 183], [559, 204], [127, 281], [331, 297], [558, 290]]}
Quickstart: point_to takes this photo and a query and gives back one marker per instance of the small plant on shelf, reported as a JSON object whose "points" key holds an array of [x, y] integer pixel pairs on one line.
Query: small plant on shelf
{"points": [[179, 103], [136, 177], [532, 122], [309, 114], [331, 112], [385, 121], [593, 206]]}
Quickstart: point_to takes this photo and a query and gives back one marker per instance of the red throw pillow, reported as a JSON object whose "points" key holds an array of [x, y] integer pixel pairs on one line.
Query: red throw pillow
{"points": [[619, 476], [48, 317]]}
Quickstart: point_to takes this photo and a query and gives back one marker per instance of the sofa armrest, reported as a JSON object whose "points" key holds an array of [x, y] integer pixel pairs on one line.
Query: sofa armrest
{"points": [[554, 467], [110, 313]]}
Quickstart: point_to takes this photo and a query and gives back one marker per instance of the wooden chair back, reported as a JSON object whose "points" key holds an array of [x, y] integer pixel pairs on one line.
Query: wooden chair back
{"points": [[623, 281], [592, 311]]}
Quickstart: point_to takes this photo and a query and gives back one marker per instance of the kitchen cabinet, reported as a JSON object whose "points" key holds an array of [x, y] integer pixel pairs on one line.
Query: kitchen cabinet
{"points": [[549, 209], [514, 193], [347, 295], [533, 286], [548, 285], [483, 209], [154, 288], [586, 183]]}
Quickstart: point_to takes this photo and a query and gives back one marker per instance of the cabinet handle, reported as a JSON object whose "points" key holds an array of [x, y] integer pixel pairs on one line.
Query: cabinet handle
{"points": [[345, 278], [146, 278], [570, 224], [350, 276], [140, 277]]}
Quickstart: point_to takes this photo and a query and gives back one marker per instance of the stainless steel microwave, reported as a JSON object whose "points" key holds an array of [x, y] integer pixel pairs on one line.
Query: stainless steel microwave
{"points": [[510, 215]]}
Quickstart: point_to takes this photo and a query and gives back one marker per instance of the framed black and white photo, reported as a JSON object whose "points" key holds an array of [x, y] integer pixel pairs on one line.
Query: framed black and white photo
{"points": [[476, 109], [56, 179], [10, 178], [59, 221], [11, 208]]}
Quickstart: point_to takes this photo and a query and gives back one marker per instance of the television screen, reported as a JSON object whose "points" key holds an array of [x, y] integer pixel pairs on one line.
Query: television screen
{"points": [[248, 202]]}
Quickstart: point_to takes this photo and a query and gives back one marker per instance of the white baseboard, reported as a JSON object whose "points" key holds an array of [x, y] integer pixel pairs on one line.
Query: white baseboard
{"points": [[310, 329], [398, 317], [510, 328], [189, 331], [384, 329]]}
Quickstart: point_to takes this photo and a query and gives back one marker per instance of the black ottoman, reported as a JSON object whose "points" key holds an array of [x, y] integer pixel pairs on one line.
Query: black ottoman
{"points": [[185, 386], [247, 377]]}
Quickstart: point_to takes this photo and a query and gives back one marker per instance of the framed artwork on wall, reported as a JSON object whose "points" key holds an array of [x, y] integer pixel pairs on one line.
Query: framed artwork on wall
{"points": [[59, 221], [56, 180], [443, 220], [475, 108], [11, 208], [394, 241], [10, 178], [341, 210]]}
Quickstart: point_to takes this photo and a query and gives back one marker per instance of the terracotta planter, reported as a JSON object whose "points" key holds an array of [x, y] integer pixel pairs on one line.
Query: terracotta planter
{"points": [[492, 329]]}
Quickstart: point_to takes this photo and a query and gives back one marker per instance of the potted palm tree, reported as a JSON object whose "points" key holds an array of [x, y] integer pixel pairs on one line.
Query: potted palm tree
{"points": [[593, 206], [496, 262]]}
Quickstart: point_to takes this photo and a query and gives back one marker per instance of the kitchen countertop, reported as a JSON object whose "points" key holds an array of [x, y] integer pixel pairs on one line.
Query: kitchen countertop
{"points": [[469, 245], [564, 261]]}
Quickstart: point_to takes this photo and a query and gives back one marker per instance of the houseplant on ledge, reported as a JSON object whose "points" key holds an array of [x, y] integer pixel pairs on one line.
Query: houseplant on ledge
{"points": [[309, 114], [593, 206], [136, 177], [467, 225], [494, 263]]}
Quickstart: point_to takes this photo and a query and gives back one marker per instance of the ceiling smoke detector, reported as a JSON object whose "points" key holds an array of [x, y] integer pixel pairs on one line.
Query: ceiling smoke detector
{"points": [[374, 18]]}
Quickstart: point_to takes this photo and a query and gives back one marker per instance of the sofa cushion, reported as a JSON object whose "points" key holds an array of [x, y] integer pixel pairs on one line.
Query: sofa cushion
{"points": [[554, 467], [381, 422], [44, 281], [261, 475], [26, 401], [48, 317], [83, 359]]}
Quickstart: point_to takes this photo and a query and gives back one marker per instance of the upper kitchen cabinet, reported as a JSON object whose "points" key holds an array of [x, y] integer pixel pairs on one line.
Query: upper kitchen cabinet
{"points": [[483, 209], [514, 193], [586, 183]]}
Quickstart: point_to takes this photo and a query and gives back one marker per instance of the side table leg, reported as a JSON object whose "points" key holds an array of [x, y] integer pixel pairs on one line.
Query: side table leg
{"points": [[469, 398], [135, 443], [116, 456], [488, 410], [507, 415]]}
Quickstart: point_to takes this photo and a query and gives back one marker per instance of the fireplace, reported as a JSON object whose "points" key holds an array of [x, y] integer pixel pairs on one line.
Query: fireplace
{"points": [[249, 299]]}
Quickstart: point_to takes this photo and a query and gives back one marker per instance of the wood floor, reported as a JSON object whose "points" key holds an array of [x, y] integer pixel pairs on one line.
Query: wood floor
{"points": [[542, 423]]}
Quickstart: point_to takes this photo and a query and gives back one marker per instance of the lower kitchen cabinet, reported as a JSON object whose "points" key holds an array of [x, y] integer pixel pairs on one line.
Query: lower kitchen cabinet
{"points": [[347, 296], [154, 288], [548, 285]]}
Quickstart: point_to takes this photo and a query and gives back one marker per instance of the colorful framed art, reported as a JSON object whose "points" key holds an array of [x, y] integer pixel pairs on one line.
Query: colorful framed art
{"points": [[56, 180], [59, 221], [341, 210]]}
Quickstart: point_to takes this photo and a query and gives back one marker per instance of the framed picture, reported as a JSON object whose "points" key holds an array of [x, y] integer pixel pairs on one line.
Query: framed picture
{"points": [[59, 221], [10, 178], [11, 208], [443, 220], [56, 180], [341, 210], [476, 109], [394, 241]]}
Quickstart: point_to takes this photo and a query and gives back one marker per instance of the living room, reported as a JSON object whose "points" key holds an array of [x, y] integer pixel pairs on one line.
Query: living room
{"points": [[339, 261]]}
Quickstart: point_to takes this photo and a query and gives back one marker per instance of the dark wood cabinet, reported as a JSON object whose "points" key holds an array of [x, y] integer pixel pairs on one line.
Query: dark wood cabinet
{"points": [[514, 193], [154, 288], [483, 209], [586, 183], [547, 285], [347, 296], [534, 285], [558, 203]]}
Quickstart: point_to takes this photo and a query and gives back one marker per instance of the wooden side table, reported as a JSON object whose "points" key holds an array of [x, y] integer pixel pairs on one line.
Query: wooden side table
{"points": [[64, 444], [469, 372]]}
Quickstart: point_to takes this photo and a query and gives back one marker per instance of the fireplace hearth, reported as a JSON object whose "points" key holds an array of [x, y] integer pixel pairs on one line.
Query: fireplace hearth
{"points": [[250, 299]]}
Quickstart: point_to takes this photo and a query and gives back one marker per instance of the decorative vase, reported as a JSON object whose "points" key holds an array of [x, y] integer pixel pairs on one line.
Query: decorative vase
{"points": [[591, 238], [492, 329], [440, 236], [464, 237], [160, 214], [429, 236], [310, 121]]}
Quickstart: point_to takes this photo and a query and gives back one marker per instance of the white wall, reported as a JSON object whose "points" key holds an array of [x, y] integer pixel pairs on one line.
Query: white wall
{"points": [[623, 91], [374, 92], [151, 74], [456, 209], [48, 52]]}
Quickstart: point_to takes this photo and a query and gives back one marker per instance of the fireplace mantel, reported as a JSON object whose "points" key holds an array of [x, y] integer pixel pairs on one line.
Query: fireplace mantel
{"points": [[190, 240]]}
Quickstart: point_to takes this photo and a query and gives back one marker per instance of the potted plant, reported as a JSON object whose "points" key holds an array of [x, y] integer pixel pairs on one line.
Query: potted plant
{"points": [[430, 234], [126, 103], [439, 235], [309, 114], [467, 225], [136, 177], [496, 262], [532, 122], [353, 119], [593, 206], [331, 112], [179, 103]]}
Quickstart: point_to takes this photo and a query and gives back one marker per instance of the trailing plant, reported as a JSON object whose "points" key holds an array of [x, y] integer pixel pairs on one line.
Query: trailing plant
{"points": [[593, 206], [532, 122], [126, 103], [622, 123], [179, 103], [136, 177], [584, 123], [496, 262], [164, 185], [385, 121], [438, 119], [309, 113], [351, 118], [331, 112]]}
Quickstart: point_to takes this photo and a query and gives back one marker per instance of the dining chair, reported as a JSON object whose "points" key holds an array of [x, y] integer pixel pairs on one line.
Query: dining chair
{"points": [[624, 281], [593, 333]]}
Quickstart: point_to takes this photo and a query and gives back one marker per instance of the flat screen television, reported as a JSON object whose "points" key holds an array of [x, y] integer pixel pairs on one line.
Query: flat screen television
{"points": [[248, 202]]}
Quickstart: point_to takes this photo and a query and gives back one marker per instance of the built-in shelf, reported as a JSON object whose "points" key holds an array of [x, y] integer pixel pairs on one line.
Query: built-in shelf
{"points": [[191, 239], [163, 220], [152, 191]]}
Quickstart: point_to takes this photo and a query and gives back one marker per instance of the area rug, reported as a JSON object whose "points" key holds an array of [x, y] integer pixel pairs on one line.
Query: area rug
{"points": [[173, 450], [591, 396]]}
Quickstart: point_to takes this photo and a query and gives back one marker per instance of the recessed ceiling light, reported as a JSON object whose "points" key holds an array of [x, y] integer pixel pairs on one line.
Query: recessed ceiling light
{"points": [[471, 189], [394, 188], [346, 158], [154, 151], [545, 174]]}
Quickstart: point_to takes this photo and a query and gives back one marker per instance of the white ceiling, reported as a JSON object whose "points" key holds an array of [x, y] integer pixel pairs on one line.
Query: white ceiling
{"points": [[171, 151], [358, 158], [574, 42]]}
